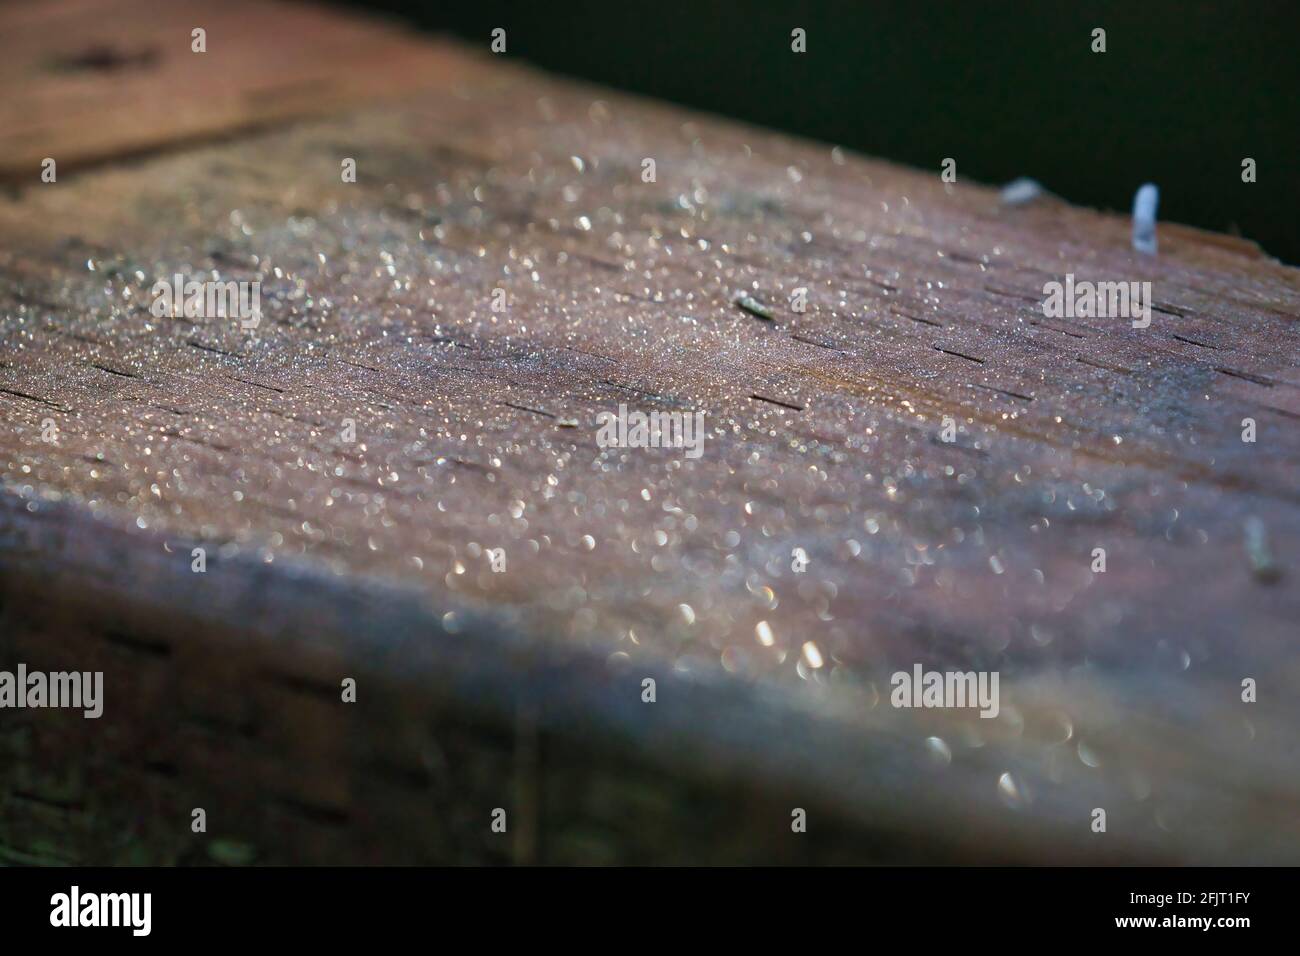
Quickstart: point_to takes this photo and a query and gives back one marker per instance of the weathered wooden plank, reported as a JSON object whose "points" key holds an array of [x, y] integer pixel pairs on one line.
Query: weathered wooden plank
{"points": [[476, 429], [90, 83]]}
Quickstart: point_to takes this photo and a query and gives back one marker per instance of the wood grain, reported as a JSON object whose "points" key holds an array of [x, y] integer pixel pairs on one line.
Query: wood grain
{"points": [[92, 82], [476, 429]]}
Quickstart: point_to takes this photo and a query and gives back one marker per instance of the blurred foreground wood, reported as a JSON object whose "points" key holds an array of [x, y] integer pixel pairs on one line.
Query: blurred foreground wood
{"points": [[330, 558]]}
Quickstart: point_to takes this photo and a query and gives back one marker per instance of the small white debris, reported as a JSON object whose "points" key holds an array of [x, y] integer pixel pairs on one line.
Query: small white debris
{"points": [[1144, 218], [1021, 191]]}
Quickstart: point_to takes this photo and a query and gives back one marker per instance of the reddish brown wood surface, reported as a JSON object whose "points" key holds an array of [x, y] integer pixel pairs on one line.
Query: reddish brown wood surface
{"points": [[89, 82], [476, 429]]}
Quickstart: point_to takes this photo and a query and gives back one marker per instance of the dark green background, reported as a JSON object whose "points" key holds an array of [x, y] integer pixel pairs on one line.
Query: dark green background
{"points": [[1183, 93]]}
